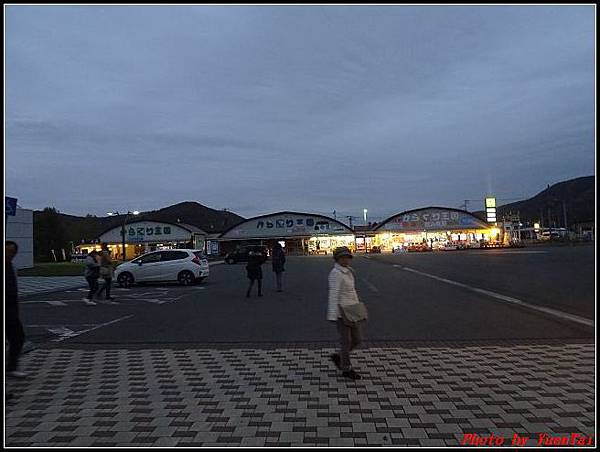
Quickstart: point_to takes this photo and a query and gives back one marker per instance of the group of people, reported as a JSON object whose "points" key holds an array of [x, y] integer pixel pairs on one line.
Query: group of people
{"points": [[344, 306], [99, 265], [254, 268]]}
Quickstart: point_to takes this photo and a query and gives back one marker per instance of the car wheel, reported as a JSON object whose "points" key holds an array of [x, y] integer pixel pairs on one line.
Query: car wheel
{"points": [[125, 280], [186, 278]]}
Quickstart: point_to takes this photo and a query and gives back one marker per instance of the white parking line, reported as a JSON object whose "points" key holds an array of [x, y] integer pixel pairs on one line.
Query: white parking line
{"points": [[370, 285], [50, 302], [507, 252], [505, 298], [67, 334]]}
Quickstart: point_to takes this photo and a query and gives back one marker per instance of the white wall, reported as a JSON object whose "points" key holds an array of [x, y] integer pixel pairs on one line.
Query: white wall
{"points": [[19, 229]]}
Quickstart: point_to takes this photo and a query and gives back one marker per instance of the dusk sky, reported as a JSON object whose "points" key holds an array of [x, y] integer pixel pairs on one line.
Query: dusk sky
{"points": [[309, 108]]}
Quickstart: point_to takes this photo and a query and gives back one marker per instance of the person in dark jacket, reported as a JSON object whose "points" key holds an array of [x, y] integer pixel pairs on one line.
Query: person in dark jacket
{"points": [[278, 264], [12, 324], [254, 270]]}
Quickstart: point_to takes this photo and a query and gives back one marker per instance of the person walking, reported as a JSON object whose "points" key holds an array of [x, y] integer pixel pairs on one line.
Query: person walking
{"points": [[254, 270], [12, 323], [278, 262], [106, 272], [92, 273], [346, 310]]}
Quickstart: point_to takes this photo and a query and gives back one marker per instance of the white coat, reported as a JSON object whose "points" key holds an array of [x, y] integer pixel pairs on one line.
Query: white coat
{"points": [[341, 291]]}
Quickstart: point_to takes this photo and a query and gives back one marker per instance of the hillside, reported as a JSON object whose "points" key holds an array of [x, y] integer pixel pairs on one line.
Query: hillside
{"points": [[207, 219], [577, 194]]}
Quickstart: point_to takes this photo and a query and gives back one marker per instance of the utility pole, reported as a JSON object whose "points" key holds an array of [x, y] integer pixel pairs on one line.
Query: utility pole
{"points": [[334, 215], [564, 206], [350, 220]]}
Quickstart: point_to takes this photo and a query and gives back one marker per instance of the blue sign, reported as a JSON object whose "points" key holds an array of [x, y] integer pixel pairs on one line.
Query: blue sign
{"points": [[10, 206]]}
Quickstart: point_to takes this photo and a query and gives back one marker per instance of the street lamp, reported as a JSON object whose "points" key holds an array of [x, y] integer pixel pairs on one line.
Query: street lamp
{"points": [[365, 215], [110, 214]]}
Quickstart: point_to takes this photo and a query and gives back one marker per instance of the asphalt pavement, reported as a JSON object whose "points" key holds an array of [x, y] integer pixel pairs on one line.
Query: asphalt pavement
{"points": [[443, 296], [459, 345]]}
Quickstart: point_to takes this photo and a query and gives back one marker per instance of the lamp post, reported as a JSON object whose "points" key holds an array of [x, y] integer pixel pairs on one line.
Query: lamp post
{"points": [[135, 212]]}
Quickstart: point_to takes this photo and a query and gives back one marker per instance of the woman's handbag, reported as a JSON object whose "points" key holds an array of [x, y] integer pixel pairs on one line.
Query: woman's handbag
{"points": [[354, 313]]}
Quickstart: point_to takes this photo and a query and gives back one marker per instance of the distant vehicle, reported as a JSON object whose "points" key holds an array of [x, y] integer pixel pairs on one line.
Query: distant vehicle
{"points": [[375, 249], [450, 247], [553, 234], [398, 249], [241, 254], [183, 266]]}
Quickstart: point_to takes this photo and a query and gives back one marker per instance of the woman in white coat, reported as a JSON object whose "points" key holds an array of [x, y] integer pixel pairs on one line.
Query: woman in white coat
{"points": [[343, 293]]}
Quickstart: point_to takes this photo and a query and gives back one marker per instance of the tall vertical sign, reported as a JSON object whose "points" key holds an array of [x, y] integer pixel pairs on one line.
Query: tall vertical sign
{"points": [[490, 209]]}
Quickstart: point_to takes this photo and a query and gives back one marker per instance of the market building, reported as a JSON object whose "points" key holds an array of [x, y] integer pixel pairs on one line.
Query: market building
{"points": [[298, 232], [145, 236], [435, 227]]}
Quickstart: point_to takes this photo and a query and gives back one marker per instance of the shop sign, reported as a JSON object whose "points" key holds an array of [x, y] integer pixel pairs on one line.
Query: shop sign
{"points": [[432, 219], [147, 231], [287, 225], [10, 206], [142, 232], [490, 210]]}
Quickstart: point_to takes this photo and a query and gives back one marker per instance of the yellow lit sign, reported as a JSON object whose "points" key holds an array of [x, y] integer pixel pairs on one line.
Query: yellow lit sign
{"points": [[490, 209]]}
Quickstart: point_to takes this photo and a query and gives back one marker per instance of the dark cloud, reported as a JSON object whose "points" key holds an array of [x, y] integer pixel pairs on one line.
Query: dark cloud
{"points": [[309, 108]]}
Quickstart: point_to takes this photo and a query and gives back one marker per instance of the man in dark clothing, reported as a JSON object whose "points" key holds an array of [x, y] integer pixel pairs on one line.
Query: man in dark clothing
{"points": [[254, 270], [13, 326]]}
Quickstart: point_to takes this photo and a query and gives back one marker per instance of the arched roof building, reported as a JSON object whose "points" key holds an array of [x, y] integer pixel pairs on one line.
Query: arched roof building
{"points": [[299, 232]]}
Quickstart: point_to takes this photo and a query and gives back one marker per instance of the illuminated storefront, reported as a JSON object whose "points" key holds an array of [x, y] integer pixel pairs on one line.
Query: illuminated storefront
{"points": [[145, 236], [299, 233], [435, 228]]}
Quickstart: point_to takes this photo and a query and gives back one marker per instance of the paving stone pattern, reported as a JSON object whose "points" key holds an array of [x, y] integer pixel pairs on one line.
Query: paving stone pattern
{"points": [[295, 397]]}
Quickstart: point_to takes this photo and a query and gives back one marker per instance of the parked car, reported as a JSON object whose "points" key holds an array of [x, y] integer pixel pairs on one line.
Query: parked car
{"points": [[183, 266], [450, 247], [241, 254], [375, 249]]}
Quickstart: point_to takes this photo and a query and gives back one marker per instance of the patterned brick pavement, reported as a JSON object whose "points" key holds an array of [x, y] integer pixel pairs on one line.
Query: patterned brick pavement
{"points": [[421, 396]]}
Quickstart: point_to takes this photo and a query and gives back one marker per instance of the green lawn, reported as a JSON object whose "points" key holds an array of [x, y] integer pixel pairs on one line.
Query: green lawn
{"points": [[54, 269]]}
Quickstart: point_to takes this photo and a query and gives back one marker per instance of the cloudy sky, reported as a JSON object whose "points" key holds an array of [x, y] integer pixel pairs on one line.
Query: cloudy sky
{"points": [[259, 109]]}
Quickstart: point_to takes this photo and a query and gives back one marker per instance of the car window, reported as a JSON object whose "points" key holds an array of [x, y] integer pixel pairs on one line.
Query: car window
{"points": [[173, 255], [148, 258]]}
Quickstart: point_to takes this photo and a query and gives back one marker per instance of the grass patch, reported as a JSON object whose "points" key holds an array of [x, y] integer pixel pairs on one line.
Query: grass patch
{"points": [[54, 269]]}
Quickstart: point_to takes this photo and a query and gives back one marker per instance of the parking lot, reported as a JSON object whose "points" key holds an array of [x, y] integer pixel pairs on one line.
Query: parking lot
{"points": [[457, 344], [445, 296]]}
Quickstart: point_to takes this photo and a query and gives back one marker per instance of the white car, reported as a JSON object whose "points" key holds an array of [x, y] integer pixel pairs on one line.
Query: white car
{"points": [[183, 266]]}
